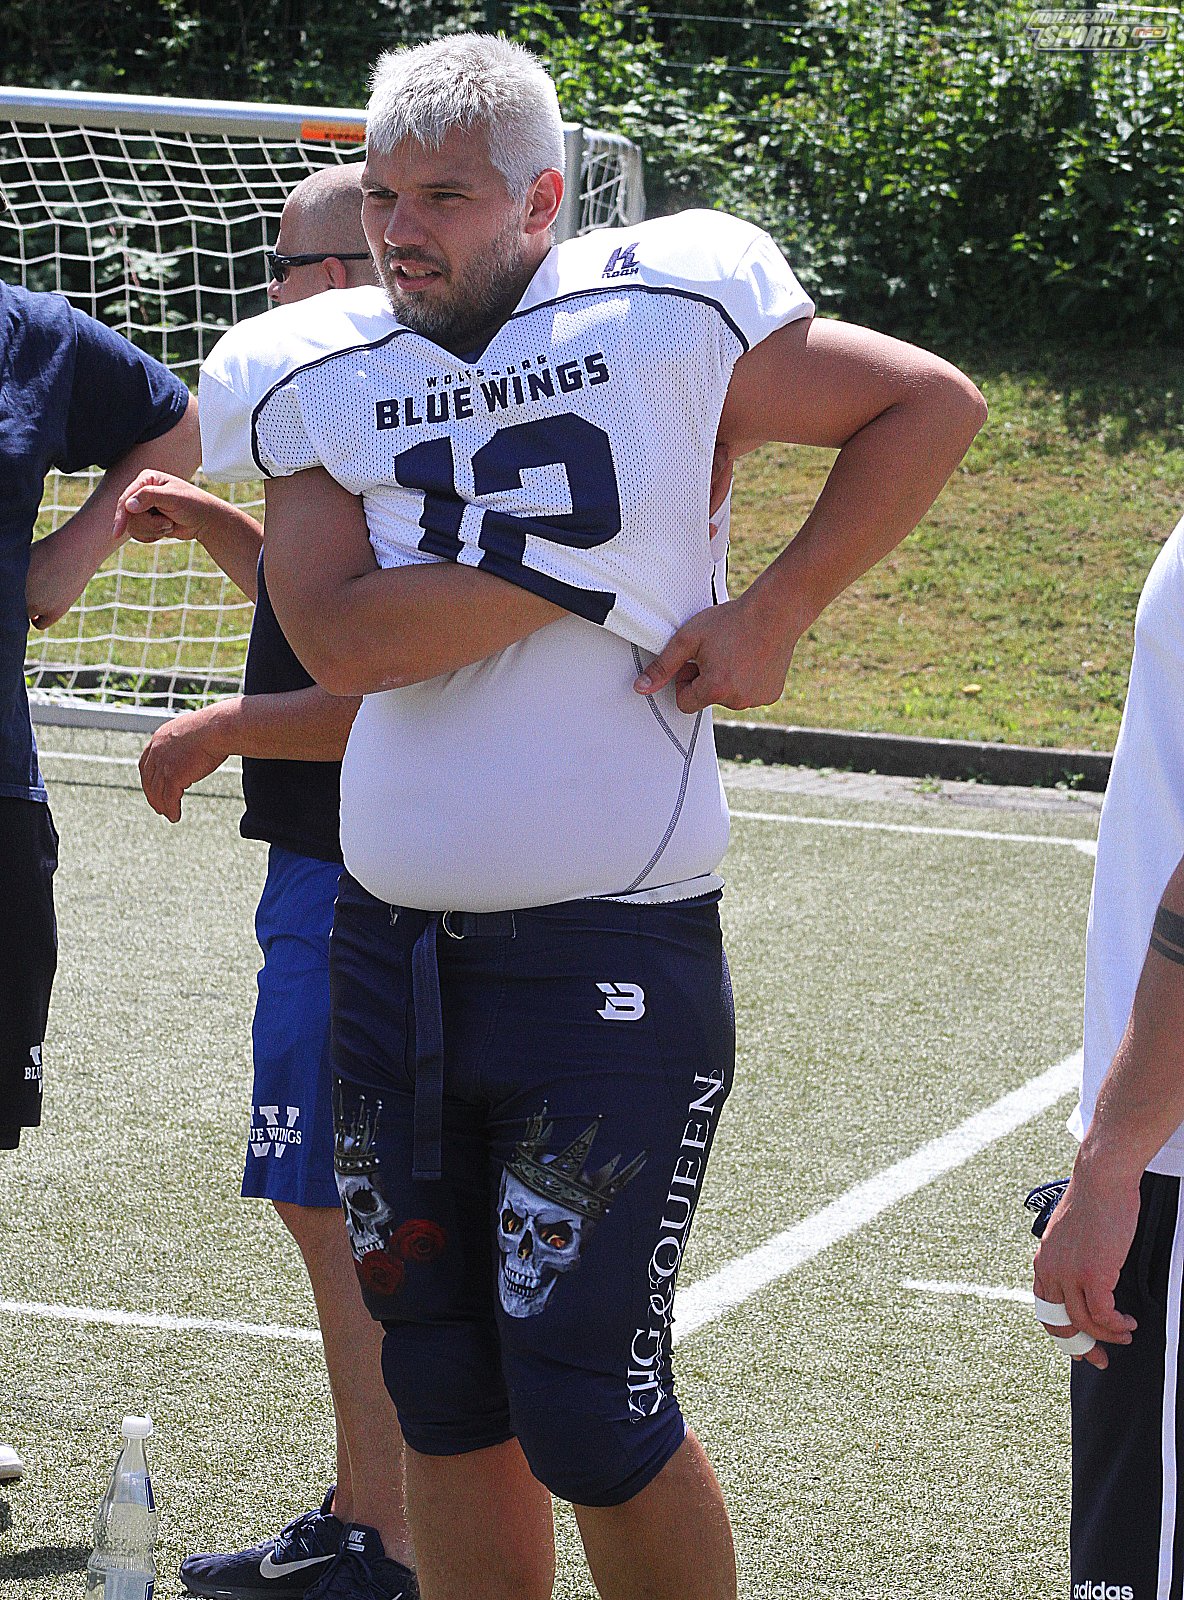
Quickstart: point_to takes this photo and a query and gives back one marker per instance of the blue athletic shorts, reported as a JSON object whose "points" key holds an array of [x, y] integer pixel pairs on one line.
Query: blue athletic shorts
{"points": [[564, 1068], [290, 1151]]}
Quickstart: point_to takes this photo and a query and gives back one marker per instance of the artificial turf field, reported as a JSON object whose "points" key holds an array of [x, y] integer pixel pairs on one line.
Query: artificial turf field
{"points": [[873, 1438]]}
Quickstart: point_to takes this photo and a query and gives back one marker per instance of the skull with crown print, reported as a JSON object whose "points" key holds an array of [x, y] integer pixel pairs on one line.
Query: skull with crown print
{"points": [[548, 1205]]}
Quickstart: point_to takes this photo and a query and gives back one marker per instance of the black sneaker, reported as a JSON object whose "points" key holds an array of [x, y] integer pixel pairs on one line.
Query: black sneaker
{"points": [[364, 1571], [286, 1565]]}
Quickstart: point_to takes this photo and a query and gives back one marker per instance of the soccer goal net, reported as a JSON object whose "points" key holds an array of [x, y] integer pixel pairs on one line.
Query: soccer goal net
{"points": [[153, 215]]}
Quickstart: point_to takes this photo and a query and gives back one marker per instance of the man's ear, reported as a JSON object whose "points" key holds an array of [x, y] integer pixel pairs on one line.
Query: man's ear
{"points": [[336, 272], [542, 202]]}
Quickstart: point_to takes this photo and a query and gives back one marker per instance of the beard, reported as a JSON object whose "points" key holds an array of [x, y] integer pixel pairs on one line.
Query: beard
{"points": [[457, 317]]}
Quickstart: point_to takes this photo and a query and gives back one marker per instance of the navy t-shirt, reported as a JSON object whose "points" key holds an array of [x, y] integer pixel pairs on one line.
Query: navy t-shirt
{"points": [[296, 804], [73, 394]]}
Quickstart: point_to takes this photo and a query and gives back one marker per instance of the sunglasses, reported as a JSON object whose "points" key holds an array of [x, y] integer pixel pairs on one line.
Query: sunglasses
{"points": [[279, 266]]}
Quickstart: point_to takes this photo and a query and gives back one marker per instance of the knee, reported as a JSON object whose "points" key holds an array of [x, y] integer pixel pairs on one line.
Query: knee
{"points": [[592, 1460], [445, 1380], [314, 1228]]}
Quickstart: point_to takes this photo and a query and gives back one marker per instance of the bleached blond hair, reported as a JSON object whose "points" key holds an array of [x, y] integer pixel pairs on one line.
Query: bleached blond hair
{"points": [[467, 81]]}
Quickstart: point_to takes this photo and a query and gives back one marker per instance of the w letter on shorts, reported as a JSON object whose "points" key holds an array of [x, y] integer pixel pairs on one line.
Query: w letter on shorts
{"points": [[290, 1149]]}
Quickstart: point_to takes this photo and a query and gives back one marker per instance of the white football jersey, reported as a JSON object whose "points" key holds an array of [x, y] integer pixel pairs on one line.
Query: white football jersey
{"points": [[572, 456]]}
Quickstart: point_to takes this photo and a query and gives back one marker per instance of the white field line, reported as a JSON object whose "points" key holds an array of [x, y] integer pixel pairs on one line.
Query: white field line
{"points": [[166, 1324], [113, 761], [1087, 847], [80, 755], [713, 1297], [976, 1291]]}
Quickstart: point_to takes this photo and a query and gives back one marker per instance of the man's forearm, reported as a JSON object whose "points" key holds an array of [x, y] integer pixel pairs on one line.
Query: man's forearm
{"points": [[63, 563], [232, 539], [404, 625], [359, 629], [1140, 1104], [299, 725], [1141, 1099]]}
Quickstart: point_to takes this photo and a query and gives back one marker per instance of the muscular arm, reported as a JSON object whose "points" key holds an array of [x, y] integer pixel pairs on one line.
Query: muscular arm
{"points": [[359, 629], [62, 564], [301, 725], [901, 420], [1140, 1105]]}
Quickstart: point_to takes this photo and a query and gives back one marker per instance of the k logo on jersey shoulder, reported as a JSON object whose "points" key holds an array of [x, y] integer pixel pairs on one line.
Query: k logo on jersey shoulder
{"points": [[625, 1002], [623, 263]]}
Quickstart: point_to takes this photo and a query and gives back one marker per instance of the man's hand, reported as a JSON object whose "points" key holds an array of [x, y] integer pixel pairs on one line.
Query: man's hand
{"points": [[1080, 1256], [177, 755], [158, 505], [724, 656]]}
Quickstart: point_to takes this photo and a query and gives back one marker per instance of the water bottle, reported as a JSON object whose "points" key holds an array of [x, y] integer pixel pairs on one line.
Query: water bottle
{"points": [[123, 1566]]}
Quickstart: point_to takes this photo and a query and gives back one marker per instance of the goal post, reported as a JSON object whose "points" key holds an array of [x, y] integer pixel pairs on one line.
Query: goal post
{"points": [[153, 214]]}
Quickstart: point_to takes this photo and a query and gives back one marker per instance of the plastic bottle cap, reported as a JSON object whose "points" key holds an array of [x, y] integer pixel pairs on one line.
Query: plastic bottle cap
{"points": [[137, 1428]]}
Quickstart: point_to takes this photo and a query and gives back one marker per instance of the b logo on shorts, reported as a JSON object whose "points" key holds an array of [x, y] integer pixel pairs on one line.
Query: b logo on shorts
{"points": [[625, 1002]]}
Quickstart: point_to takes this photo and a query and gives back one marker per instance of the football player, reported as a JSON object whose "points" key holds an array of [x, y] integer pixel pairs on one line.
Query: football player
{"points": [[488, 483]]}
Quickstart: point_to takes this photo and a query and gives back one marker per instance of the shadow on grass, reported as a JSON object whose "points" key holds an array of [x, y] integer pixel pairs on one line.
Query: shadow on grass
{"points": [[1123, 398], [1138, 398], [43, 1561]]}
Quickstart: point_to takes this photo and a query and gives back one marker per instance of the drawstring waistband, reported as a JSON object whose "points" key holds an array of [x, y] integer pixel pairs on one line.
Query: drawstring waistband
{"points": [[426, 1157]]}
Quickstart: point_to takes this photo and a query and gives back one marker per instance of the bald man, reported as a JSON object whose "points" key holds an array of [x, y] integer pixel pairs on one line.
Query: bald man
{"points": [[291, 736]]}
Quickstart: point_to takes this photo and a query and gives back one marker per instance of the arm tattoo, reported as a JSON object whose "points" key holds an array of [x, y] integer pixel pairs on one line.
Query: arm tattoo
{"points": [[1167, 935]]}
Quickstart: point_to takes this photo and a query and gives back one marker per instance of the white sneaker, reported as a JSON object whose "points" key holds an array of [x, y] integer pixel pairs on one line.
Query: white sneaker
{"points": [[11, 1465]]}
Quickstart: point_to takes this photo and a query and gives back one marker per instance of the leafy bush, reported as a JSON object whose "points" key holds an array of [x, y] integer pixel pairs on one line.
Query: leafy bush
{"points": [[920, 166], [920, 161]]}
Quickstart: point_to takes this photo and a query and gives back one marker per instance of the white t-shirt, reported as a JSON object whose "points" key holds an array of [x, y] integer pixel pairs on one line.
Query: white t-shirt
{"points": [[573, 458], [1141, 834]]}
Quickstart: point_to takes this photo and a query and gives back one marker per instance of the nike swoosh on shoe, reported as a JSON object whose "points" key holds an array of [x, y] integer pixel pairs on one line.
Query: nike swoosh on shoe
{"points": [[281, 1569]]}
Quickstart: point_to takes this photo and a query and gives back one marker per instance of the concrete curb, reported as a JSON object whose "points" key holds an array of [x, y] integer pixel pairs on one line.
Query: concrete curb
{"points": [[903, 755], [892, 754]]}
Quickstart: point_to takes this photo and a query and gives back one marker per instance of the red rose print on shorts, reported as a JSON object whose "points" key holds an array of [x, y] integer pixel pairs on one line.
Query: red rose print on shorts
{"points": [[418, 1240], [378, 1273]]}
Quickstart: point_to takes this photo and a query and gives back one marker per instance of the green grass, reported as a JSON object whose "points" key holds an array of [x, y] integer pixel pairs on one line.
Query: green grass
{"points": [[1007, 616], [871, 1440], [152, 609]]}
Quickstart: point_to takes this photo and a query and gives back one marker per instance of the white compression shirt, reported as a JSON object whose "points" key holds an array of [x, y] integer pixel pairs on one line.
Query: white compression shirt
{"points": [[1141, 834], [534, 776]]}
